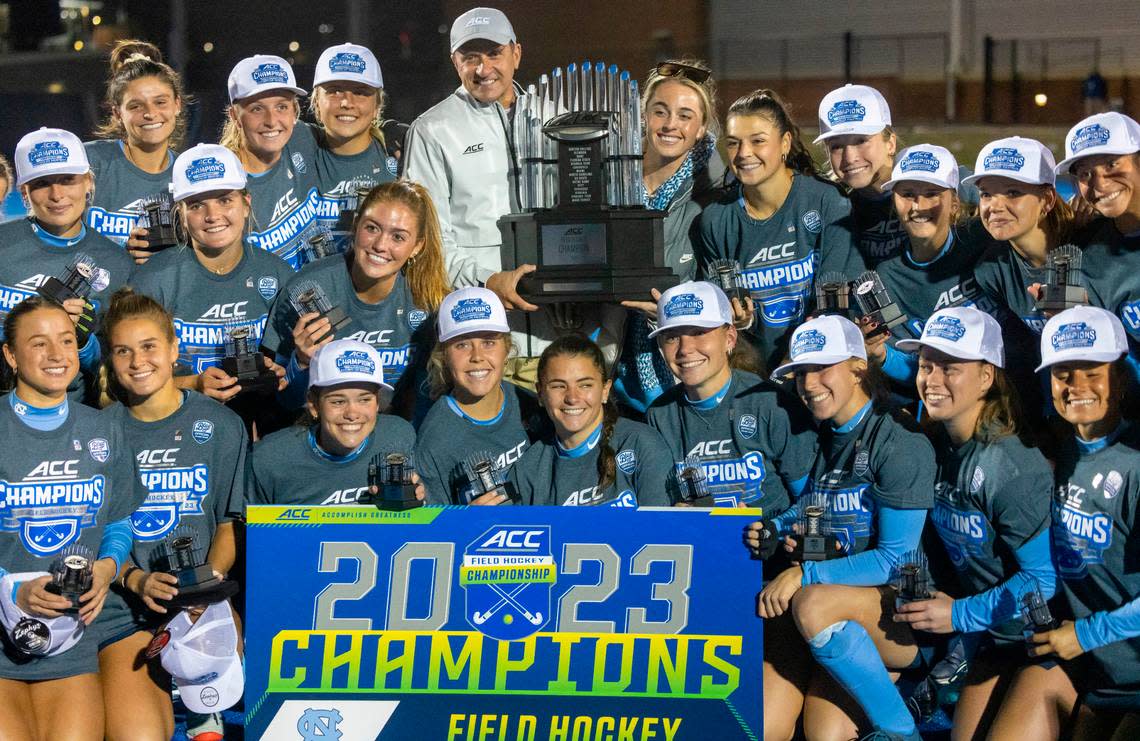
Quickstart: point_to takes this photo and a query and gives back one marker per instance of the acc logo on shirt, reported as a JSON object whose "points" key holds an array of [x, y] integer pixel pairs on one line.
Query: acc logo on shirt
{"points": [[299, 162], [782, 308], [267, 287], [627, 461], [862, 463], [978, 479], [99, 449], [813, 221], [416, 317], [747, 426], [202, 431]]}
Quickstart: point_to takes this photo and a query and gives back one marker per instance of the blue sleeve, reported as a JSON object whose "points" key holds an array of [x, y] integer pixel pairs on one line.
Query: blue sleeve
{"points": [[293, 397], [117, 541], [1103, 628], [798, 487], [899, 532], [782, 524], [91, 353], [900, 366], [1001, 603]]}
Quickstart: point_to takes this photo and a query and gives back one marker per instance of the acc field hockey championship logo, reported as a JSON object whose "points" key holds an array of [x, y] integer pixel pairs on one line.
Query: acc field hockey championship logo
{"points": [[52, 505], [507, 574]]}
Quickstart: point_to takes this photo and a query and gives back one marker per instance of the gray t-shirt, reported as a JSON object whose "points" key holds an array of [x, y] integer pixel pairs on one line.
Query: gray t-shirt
{"points": [[120, 188], [286, 200], [341, 176]]}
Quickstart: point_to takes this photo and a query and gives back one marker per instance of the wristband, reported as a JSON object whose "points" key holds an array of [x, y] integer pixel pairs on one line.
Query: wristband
{"points": [[126, 575]]}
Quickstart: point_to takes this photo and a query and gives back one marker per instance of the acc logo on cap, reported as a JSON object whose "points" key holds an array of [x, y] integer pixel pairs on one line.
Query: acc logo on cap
{"points": [[267, 287], [627, 461], [924, 161], [846, 111], [1004, 158], [346, 61], [747, 426], [946, 327], [1089, 136], [48, 153], [355, 361], [479, 20], [270, 72], [202, 431], [1073, 336], [811, 340], [686, 304], [471, 310], [206, 168]]}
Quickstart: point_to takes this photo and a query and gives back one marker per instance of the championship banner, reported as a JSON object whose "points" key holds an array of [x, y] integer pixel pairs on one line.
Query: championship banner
{"points": [[501, 624]]}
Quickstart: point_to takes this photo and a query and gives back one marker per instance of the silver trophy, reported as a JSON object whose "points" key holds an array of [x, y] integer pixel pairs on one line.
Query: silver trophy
{"points": [[875, 303], [307, 297], [1064, 280], [391, 476], [184, 556], [71, 574], [911, 578]]}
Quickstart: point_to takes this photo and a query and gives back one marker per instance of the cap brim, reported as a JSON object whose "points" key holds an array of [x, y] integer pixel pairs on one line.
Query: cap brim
{"points": [[1104, 356], [267, 88], [920, 177], [971, 179], [46, 173], [228, 686], [702, 324], [855, 131], [913, 346], [461, 332], [481, 37], [787, 368], [1064, 165]]}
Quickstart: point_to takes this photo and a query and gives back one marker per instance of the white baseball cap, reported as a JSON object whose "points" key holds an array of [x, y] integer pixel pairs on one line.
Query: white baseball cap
{"points": [[471, 310], [1104, 133], [346, 361], [40, 636], [481, 23], [46, 152], [1024, 160], [259, 73], [852, 109], [825, 340], [348, 62], [202, 659], [961, 332], [204, 169], [1082, 333], [693, 304], [926, 163]]}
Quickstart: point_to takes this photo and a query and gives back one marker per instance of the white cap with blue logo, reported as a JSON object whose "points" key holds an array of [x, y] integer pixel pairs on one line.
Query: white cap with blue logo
{"points": [[46, 152], [852, 110], [470, 310], [1024, 160], [1083, 333], [206, 168], [346, 361], [693, 304], [490, 24], [350, 63], [926, 163], [961, 332], [1104, 133], [825, 340], [261, 72]]}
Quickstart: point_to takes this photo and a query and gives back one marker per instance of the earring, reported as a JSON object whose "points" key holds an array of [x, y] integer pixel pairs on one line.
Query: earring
{"points": [[783, 156], [89, 198]]}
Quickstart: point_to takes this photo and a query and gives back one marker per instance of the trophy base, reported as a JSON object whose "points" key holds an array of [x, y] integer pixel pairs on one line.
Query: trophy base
{"points": [[560, 285], [816, 548], [398, 498], [204, 593], [888, 318], [338, 320], [900, 600], [159, 238], [251, 373], [70, 596], [56, 291], [1060, 298]]}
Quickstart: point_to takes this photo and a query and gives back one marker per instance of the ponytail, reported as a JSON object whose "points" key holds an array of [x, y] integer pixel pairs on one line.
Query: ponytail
{"points": [[770, 105], [132, 60]]}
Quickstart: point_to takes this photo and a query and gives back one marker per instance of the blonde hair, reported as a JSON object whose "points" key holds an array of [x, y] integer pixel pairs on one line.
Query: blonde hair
{"points": [[440, 380], [705, 90], [375, 131], [233, 138]]}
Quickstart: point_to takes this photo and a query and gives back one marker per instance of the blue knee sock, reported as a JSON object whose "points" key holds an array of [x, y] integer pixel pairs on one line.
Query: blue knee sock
{"points": [[850, 656]]}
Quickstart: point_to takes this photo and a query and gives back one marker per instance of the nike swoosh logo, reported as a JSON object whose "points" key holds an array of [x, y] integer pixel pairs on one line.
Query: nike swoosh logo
{"points": [[686, 258]]}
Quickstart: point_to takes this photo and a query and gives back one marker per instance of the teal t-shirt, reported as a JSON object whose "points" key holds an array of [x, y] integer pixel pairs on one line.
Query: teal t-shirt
{"points": [[878, 233], [120, 188], [287, 201], [1111, 262], [341, 176]]}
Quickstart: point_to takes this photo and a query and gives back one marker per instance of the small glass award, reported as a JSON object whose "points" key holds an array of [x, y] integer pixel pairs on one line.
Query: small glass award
{"points": [[391, 477], [244, 362], [726, 274], [485, 477], [349, 204], [875, 303], [183, 555], [1035, 612], [692, 484], [71, 574], [77, 281], [307, 297], [815, 541], [833, 295], [160, 221], [1063, 287], [911, 578]]}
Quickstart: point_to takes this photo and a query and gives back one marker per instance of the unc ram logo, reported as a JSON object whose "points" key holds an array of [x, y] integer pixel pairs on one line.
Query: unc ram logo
{"points": [[1073, 336], [921, 161], [355, 361], [1094, 135], [507, 575], [471, 310], [205, 168], [346, 61], [1004, 158], [810, 340], [686, 304], [48, 153], [846, 111], [945, 327], [270, 72]]}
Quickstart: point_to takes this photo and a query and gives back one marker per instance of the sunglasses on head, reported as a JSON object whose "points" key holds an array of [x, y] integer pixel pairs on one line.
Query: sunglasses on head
{"points": [[688, 71]]}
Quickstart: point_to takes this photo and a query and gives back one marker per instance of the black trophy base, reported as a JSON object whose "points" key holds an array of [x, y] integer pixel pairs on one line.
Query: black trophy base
{"points": [[72, 597], [159, 238], [398, 497], [816, 548], [701, 502], [888, 317], [56, 291], [901, 599], [338, 320], [252, 374], [196, 588], [596, 255], [1060, 298]]}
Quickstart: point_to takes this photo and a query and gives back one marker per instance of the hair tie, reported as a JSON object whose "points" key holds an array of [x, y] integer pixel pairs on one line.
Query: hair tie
{"points": [[136, 56]]}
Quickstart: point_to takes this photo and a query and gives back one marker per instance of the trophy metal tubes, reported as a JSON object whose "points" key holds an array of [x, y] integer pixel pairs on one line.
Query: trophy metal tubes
{"points": [[307, 297], [1035, 612], [486, 477], [77, 281], [911, 578], [875, 302], [160, 221], [692, 483], [1063, 287], [244, 362], [391, 475], [182, 556], [815, 541], [832, 295], [71, 575], [726, 274]]}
